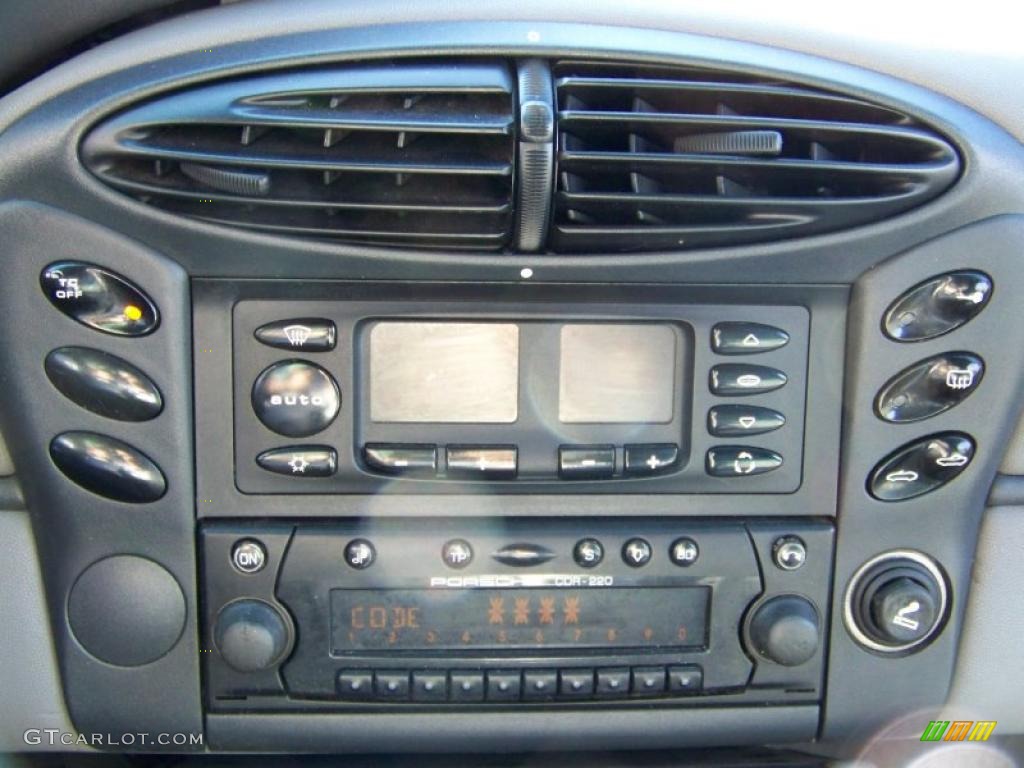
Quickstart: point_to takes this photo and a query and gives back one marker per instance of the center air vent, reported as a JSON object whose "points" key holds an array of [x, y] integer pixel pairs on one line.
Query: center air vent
{"points": [[416, 155], [657, 158]]}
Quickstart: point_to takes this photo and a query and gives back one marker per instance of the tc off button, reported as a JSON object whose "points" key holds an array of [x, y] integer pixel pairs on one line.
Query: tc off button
{"points": [[295, 398]]}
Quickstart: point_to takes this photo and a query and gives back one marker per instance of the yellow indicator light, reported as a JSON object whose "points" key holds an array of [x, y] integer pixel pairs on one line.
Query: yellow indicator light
{"points": [[132, 312]]}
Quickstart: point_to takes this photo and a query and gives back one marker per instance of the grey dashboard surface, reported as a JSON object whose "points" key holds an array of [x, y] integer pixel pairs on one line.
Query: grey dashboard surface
{"points": [[45, 119]]}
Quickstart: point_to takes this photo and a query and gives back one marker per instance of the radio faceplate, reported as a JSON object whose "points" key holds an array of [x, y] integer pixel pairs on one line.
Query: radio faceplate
{"points": [[363, 606], [689, 410]]}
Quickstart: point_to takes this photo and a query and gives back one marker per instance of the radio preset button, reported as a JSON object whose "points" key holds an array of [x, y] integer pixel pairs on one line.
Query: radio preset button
{"points": [[595, 462], [392, 686], [741, 461], [483, 462], [306, 335], [684, 552], [738, 380], [457, 553], [296, 398], [588, 553], [355, 684], [429, 686], [360, 554], [300, 461], [636, 553], [540, 684], [734, 338], [648, 681], [248, 556], [401, 459], [576, 683], [503, 686], [612, 683], [651, 459], [686, 680], [467, 686], [740, 420]]}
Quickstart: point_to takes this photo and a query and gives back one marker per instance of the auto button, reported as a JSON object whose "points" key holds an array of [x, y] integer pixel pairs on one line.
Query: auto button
{"points": [[296, 398]]}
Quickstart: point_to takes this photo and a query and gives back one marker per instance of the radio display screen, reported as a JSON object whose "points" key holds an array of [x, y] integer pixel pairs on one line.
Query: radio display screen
{"points": [[450, 619]]}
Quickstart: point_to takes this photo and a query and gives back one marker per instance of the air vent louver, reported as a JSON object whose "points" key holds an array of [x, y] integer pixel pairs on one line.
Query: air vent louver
{"points": [[417, 154], [656, 158]]}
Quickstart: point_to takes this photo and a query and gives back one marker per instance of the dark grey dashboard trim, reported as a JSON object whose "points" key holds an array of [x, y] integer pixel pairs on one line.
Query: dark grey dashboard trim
{"points": [[527, 731]]}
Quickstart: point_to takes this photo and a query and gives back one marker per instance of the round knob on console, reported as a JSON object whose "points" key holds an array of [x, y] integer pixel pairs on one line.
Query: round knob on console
{"points": [[252, 635], [785, 630], [896, 602]]}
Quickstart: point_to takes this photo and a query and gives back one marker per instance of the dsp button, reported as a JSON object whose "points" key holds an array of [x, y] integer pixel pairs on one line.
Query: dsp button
{"points": [[921, 466], [746, 338], [296, 398], [103, 384], [108, 467], [937, 305], [737, 379], [300, 461], [930, 387], [99, 299], [741, 461], [306, 335]]}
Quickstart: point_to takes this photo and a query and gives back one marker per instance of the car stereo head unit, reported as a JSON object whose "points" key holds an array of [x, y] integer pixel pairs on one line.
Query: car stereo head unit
{"points": [[503, 397], [352, 614]]}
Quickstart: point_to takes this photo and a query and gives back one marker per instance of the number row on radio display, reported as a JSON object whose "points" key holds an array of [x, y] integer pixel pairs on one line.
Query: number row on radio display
{"points": [[505, 685]]}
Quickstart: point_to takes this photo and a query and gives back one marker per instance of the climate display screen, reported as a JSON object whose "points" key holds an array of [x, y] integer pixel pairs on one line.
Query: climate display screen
{"points": [[443, 619]]}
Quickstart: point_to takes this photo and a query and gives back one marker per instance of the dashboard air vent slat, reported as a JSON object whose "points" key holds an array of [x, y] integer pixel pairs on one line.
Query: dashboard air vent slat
{"points": [[654, 157], [416, 154]]}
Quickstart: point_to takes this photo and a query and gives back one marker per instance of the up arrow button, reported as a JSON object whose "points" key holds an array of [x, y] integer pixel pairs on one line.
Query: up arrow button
{"points": [[737, 338]]}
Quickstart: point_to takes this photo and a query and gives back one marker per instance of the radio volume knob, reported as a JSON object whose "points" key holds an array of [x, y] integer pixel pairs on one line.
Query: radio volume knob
{"points": [[252, 635], [785, 630]]}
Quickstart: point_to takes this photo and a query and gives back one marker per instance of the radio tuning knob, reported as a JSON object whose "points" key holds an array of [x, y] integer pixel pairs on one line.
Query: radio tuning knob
{"points": [[785, 630], [252, 635]]}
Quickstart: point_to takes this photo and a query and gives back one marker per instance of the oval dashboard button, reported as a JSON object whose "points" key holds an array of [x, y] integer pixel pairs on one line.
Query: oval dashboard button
{"points": [[108, 467], [937, 305], [930, 387], [103, 384], [296, 398], [921, 466], [99, 298]]}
